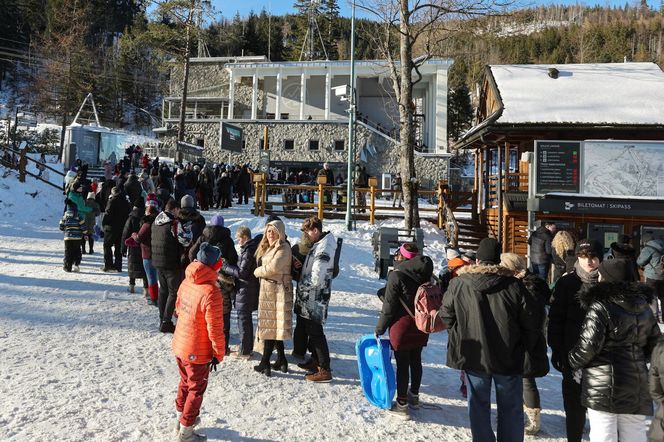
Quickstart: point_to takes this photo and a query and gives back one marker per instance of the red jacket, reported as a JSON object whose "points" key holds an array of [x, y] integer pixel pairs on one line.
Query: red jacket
{"points": [[199, 334]]}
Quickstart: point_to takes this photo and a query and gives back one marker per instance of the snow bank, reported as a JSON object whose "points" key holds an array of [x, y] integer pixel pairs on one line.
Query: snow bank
{"points": [[82, 360]]}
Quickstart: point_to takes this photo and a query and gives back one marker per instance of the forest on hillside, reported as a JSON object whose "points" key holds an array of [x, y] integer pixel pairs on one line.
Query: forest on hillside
{"points": [[54, 52]]}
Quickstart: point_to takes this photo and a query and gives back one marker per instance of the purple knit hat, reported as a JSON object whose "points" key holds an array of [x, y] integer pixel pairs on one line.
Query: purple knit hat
{"points": [[217, 220]]}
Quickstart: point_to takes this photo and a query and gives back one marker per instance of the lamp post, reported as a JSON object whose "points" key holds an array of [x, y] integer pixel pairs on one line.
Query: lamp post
{"points": [[351, 126]]}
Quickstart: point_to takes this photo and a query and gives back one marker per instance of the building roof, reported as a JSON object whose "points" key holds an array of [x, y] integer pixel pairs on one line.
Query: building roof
{"points": [[603, 93]]}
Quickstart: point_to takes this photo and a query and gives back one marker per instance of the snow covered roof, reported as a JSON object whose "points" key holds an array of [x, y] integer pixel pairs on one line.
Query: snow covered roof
{"points": [[603, 93]]}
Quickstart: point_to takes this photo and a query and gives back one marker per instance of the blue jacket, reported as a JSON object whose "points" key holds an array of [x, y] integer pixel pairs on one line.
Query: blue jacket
{"points": [[73, 225]]}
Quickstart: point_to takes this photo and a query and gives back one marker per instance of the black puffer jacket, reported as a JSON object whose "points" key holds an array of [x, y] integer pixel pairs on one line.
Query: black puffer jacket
{"points": [[566, 316], [492, 321], [166, 249], [536, 362], [616, 341], [402, 285], [217, 236], [133, 188], [540, 245], [116, 213], [246, 284], [134, 259], [656, 381]]}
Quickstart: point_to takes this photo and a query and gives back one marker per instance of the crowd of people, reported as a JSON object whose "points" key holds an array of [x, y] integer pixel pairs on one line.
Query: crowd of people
{"points": [[586, 305]]}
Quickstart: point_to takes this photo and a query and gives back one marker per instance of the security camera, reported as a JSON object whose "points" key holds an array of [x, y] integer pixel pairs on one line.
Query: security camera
{"points": [[342, 91]]}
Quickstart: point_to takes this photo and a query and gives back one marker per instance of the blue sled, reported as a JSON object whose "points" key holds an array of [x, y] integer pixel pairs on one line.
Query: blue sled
{"points": [[376, 372]]}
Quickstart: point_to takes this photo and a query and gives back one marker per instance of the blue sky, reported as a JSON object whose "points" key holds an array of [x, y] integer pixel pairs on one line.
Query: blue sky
{"points": [[228, 8]]}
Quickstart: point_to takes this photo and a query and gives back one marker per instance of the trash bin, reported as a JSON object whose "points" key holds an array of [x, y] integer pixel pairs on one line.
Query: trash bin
{"points": [[385, 242]]}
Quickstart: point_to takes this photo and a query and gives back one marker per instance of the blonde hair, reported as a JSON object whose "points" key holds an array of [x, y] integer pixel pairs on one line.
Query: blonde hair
{"points": [[516, 263], [562, 242], [264, 245]]}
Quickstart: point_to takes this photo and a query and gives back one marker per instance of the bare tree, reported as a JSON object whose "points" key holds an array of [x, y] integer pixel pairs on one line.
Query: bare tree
{"points": [[410, 31]]}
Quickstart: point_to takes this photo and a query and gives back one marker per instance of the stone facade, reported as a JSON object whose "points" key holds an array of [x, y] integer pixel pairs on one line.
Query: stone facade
{"points": [[205, 80], [429, 168]]}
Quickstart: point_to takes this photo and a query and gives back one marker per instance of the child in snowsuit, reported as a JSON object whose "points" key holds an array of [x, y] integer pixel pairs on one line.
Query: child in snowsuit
{"points": [[75, 230], [198, 342]]}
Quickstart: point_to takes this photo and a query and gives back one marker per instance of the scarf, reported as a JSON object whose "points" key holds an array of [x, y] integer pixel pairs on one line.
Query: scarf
{"points": [[586, 277]]}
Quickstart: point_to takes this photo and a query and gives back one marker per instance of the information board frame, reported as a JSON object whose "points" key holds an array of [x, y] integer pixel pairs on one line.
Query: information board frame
{"points": [[228, 141], [540, 187]]}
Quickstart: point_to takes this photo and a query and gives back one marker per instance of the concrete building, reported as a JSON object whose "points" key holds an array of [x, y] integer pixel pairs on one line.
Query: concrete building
{"points": [[307, 122]]}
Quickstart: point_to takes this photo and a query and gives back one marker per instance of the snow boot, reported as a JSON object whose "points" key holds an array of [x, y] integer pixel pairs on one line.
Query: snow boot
{"points": [[532, 426], [75, 269], [399, 410], [153, 290], [310, 366], [132, 288], [264, 369], [178, 425], [187, 434], [413, 400], [167, 327], [320, 376], [281, 365]]}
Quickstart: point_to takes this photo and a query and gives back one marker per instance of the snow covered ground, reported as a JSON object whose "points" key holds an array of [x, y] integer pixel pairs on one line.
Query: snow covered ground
{"points": [[81, 359]]}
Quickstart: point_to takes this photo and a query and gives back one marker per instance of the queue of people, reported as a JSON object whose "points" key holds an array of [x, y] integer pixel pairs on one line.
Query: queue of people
{"points": [[601, 325]]}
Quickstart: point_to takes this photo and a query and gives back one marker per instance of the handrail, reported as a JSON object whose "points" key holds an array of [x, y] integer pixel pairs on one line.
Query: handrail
{"points": [[34, 161]]}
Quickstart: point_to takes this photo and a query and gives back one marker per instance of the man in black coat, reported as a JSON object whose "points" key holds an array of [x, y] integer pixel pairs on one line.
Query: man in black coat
{"points": [[540, 249], [167, 252], [133, 187], [115, 216], [492, 321], [565, 319], [192, 222]]}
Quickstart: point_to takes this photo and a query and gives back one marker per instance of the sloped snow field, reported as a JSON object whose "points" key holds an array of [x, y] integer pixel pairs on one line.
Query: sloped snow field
{"points": [[81, 359]]}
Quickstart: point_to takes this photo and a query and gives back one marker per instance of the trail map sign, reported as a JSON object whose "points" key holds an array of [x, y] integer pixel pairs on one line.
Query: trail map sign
{"points": [[557, 164], [264, 161]]}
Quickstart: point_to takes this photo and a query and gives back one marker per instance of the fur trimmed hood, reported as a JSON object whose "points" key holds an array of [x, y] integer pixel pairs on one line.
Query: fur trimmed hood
{"points": [[492, 269], [632, 296]]}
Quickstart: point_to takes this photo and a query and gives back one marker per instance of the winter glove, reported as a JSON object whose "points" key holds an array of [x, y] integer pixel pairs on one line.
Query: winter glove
{"points": [[577, 375], [556, 362], [213, 364]]}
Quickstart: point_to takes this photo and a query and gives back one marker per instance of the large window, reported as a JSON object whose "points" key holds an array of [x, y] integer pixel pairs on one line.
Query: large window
{"points": [[313, 144]]}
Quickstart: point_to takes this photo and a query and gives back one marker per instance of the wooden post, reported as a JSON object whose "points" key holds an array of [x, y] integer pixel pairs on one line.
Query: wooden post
{"points": [[258, 198], [321, 180], [373, 182], [441, 215]]}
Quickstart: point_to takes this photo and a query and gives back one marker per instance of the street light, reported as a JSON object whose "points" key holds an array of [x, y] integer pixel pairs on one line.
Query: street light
{"points": [[351, 126]]}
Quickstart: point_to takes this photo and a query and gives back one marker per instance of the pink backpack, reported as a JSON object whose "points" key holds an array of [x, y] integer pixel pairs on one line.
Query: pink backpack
{"points": [[428, 300]]}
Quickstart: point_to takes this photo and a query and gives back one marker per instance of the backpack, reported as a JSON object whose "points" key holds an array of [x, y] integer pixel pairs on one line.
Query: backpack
{"points": [[337, 255], [428, 301]]}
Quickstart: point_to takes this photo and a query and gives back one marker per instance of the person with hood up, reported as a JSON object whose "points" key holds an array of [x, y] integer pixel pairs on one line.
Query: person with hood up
{"points": [[132, 249], [133, 188], [74, 227], [410, 271], [223, 187], [617, 338], [492, 324], [246, 287], [651, 260], [115, 216], [562, 254], [566, 316], [217, 235], [275, 304], [540, 249], [198, 342], [144, 240], [167, 248], [90, 221], [536, 364], [656, 382], [314, 288], [191, 221]]}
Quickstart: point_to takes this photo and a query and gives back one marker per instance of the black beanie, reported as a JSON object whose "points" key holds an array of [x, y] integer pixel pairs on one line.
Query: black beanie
{"points": [[139, 202], [590, 247], [489, 251], [616, 270]]}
